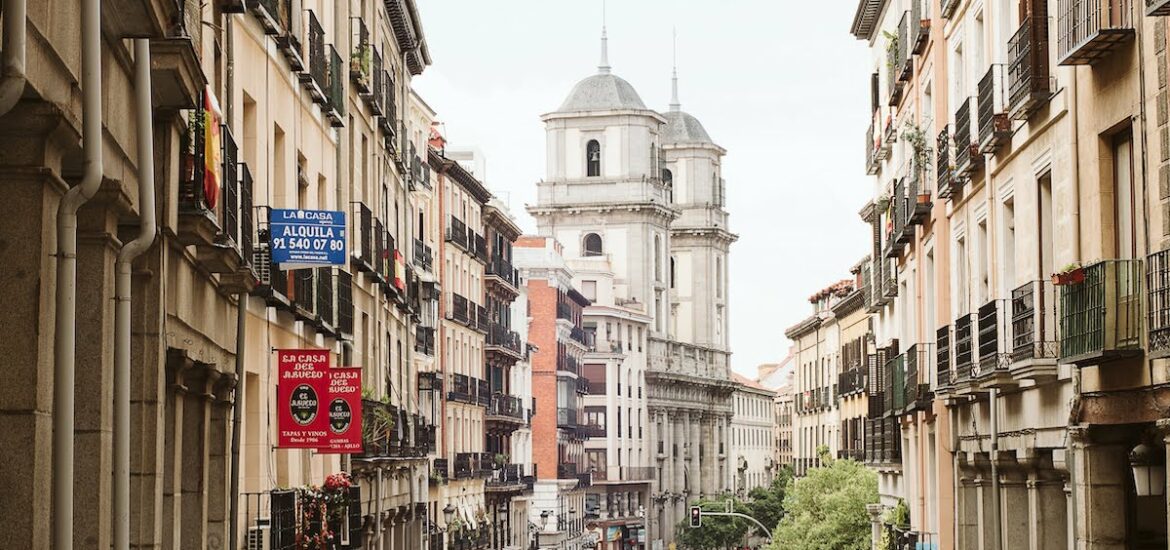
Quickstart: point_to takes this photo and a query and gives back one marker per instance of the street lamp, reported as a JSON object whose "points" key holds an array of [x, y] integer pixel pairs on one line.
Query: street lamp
{"points": [[1149, 471], [448, 514], [543, 524]]}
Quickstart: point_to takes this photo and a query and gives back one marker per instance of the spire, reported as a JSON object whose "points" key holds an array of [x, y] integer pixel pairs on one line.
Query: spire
{"points": [[674, 104], [603, 68]]}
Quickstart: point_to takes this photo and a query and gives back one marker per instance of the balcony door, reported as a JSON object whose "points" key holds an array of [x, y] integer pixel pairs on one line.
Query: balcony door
{"points": [[1126, 199]]}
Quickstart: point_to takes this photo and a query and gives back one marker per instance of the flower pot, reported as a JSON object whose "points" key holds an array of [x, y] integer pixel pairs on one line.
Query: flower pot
{"points": [[1070, 277], [924, 198]]}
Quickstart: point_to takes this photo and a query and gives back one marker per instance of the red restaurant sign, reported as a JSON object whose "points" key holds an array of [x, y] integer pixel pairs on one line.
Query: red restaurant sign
{"points": [[320, 407]]}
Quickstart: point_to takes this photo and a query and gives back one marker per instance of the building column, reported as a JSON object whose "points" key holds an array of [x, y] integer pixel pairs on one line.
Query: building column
{"points": [[967, 510], [711, 458], [695, 440], [1100, 474], [1049, 518], [1015, 485]]}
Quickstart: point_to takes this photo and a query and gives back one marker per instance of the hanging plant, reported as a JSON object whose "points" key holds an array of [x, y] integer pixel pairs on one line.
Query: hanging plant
{"points": [[923, 154], [321, 509], [891, 52]]}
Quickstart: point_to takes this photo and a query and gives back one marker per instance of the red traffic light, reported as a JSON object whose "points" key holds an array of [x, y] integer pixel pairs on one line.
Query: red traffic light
{"points": [[696, 516]]}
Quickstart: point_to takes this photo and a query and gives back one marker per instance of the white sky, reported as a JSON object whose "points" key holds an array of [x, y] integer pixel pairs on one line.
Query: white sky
{"points": [[782, 85]]}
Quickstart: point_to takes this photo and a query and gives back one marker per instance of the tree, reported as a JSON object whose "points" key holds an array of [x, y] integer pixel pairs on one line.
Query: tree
{"points": [[826, 509], [717, 532], [767, 503]]}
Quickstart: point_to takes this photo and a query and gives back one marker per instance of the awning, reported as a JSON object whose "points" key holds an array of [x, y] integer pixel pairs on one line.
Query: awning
{"points": [[468, 516]]}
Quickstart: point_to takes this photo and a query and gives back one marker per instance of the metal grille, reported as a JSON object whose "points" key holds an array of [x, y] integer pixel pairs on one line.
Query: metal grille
{"points": [[962, 349], [994, 126], [1102, 315], [943, 357], [191, 197], [230, 210], [1090, 29], [362, 56], [247, 222], [336, 86], [344, 302], [1028, 71], [1158, 281], [318, 63], [325, 295], [944, 172], [963, 136], [377, 95], [366, 234], [1033, 336]]}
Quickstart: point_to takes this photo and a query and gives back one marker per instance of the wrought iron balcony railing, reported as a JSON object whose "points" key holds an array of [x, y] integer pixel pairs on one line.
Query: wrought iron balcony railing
{"points": [[1158, 319], [345, 303], [968, 158], [326, 320], [499, 336], [995, 127], [896, 384], [304, 306], [506, 406], [1034, 322], [918, 366], [566, 418], [501, 269], [872, 162], [335, 94], [964, 352], [457, 233], [363, 250], [905, 60], [948, 185], [361, 58], [920, 25], [1029, 80], [992, 339], [851, 381], [315, 80], [424, 340], [942, 364], [1101, 316], [1090, 30], [423, 257]]}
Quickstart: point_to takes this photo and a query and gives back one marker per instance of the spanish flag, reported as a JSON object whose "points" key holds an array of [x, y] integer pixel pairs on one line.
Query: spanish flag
{"points": [[213, 148]]}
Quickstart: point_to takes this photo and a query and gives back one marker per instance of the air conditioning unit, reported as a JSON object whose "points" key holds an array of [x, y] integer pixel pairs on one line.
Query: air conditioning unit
{"points": [[259, 535], [262, 263]]}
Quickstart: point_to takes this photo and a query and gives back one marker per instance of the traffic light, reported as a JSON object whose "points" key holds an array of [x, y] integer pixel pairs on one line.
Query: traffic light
{"points": [[696, 516]]}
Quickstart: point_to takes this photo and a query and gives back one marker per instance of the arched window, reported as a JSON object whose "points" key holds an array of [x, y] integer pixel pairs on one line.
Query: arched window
{"points": [[593, 158], [672, 272], [657, 258], [668, 181], [592, 244]]}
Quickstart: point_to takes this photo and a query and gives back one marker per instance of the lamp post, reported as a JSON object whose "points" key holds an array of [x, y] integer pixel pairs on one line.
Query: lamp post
{"points": [[448, 513], [543, 524]]}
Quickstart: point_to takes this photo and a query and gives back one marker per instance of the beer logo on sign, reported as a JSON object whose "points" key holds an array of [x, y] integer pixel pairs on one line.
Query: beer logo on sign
{"points": [[303, 404], [340, 416]]}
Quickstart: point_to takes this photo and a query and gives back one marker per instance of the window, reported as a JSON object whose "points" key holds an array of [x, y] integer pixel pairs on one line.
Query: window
{"points": [[672, 272], [593, 158], [592, 244], [668, 181], [657, 258], [589, 290], [1125, 196]]}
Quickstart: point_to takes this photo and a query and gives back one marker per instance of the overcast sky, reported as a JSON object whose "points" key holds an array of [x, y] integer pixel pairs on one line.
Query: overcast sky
{"points": [[782, 86]]}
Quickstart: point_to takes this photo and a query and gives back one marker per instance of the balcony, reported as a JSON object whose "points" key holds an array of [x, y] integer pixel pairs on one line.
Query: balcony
{"points": [[920, 26], [895, 384], [363, 241], [995, 127], [389, 106], [1157, 7], [872, 146], [389, 432], [942, 360], [289, 33], [377, 95], [361, 58], [501, 273], [624, 474], [506, 409], [918, 199], [422, 256], [968, 159], [963, 350], [567, 470], [344, 304], [1034, 343], [949, 7], [315, 80], [1090, 30], [896, 222], [850, 382], [994, 358], [459, 309], [461, 390], [440, 471], [566, 418], [304, 306], [471, 465], [905, 65], [1029, 82], [424, 341], [335, 94], [918, 395], [482, 319], [896, 86], [949, 186], [1100, 317], [505, 342], [1158, 275], [483, 392], [326, 320], [506, 478], [457, 233]]}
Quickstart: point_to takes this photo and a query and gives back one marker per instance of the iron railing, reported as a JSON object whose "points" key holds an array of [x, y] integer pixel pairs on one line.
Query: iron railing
{"points": [[1158, 293], [995, 128], [361, 58], [344, 302], [422, 256], [944, 171], [1089, 30], [424, 340], [566, 417], [1029, 83], [967, 155], [963, 350], [335, 96], [1033, 322], [1101, 316], [316, 80], [302, 296], [324, 295], [457, 233], [942, 354], [992, 338]]}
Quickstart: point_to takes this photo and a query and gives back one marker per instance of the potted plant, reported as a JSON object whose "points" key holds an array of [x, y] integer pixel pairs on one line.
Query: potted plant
{"points": [[500, 460], [1072, 274]]}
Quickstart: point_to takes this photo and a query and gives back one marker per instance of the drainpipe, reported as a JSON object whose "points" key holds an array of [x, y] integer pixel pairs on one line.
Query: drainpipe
{"points": [[956, 485], [15, 30], [65, 328], [1074, 412], [122, 291], [996, 503]]}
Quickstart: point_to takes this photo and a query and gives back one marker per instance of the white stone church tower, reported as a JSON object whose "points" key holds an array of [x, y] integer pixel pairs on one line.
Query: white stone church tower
{"points": [[638, 194]]}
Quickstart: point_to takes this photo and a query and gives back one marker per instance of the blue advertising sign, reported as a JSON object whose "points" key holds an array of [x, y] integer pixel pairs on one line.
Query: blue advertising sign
{"points": [[304, 238]]}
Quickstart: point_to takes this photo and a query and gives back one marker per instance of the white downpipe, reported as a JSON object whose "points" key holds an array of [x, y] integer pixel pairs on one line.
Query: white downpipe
{"points": [[122, 291], [15, 41], [65, 329]]}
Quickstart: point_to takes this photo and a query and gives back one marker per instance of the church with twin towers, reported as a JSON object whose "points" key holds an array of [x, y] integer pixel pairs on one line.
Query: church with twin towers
{"points": [[636, 198]]}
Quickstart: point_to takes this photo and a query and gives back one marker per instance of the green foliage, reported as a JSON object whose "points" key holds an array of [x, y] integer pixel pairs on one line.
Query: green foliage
{"points": [[826, 509], [767, 503], [899, 515], [717, 532]]}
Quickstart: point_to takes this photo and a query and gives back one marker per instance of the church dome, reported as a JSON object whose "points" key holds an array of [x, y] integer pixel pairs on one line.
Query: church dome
{"points": [[602, 92], [681, 127]]}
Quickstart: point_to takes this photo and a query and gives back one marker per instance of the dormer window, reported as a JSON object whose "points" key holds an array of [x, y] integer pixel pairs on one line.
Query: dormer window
{"points": [[592, 245], [593, 158]]}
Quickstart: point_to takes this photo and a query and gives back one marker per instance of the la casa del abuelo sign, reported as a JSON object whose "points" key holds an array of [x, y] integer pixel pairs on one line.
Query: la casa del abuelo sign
{"points": [[320, 406]]}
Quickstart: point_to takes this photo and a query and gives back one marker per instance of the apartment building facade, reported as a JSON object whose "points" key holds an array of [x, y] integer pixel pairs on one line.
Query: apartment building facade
{"points": [[1023, 251], [752, 435]]}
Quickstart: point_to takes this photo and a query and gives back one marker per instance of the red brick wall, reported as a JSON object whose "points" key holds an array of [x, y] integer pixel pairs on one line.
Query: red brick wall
{"points": [[542, 333]]}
